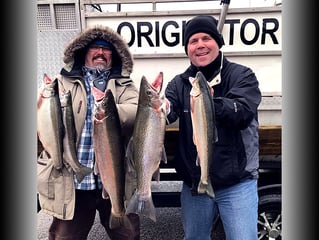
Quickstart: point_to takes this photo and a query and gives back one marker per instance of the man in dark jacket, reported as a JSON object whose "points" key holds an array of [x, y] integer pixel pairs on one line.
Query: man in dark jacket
{"points": [[234, 169]]}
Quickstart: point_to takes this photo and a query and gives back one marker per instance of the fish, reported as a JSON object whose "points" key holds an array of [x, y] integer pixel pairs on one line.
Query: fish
{"points": [[50, 127], [69, 140], [204, 129], [147, 145], [109, 152]]}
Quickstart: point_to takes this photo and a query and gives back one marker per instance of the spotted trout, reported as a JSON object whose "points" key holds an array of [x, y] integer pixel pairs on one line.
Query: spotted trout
{"points": [[204, 129], [110, 155], [50, 127], [147, 145], [69, 140]]}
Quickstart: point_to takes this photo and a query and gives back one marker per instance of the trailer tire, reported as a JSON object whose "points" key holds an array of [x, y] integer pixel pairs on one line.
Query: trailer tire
{"points": [[269, 217]]}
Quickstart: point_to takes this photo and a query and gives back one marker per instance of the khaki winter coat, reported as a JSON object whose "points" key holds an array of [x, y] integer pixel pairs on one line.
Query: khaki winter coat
{"points": [[56, 187]]}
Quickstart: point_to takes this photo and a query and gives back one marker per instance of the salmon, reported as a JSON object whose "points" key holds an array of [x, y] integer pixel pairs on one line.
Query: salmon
{"points": [[204, 129], [147, 145], [50, 127], [110, 156], [69, 140]]}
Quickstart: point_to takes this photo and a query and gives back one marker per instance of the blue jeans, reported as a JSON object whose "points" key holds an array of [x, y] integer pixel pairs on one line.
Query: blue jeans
{"points": [[237, 206]]}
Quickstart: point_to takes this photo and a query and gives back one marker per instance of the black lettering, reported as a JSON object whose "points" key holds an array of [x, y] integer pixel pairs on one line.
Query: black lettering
{"points": [[144, 34], [174, 35], [157, 35], [231, 29], [242, 31], [183, 30], [271, 31], [127, 24], [171, 33]]}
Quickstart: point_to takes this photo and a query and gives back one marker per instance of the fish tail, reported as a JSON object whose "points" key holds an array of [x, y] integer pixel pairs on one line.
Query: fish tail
{"points": [[142, 207], [118, 221], [206, 188], [82, 173], [127, 222]]}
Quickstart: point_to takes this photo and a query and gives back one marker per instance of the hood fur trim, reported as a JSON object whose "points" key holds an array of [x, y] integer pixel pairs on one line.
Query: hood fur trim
{"points": [[81, 42]]}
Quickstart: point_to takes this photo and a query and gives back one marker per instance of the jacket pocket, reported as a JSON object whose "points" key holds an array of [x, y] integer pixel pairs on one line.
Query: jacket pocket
{"points": [[55, 188], [44, 171]]}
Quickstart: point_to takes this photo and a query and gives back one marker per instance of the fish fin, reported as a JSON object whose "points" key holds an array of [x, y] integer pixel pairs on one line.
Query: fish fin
{"points": [[39, 101], [132, 205], [165, 106], [191, 104], [142, 207], [197, 161], [164, 156], [194, 138], [215, 134], [105, 194], [130, 186], [156, 175], [84, 171], [130, 166], [129, 149], [206, 188], [96, 169]]}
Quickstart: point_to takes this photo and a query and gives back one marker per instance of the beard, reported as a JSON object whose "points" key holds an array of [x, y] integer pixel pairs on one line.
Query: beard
{"points": [[101, 67]]}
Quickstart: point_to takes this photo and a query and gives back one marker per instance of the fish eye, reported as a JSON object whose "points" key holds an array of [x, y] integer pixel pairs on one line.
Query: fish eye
{"points": [[148, 92]]}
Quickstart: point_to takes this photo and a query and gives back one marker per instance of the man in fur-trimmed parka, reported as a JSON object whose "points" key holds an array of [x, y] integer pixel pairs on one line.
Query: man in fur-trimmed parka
{"points": [[97, 53]]}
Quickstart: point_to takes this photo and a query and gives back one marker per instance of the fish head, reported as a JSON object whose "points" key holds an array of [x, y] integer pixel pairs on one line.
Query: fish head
{"points": [[199, 85], [99, 104], [157, 84], [150, 92], [105, 106], [48, 90], [97, 94], [46, 79], [202, 83], [108, 101], [195, 91]]}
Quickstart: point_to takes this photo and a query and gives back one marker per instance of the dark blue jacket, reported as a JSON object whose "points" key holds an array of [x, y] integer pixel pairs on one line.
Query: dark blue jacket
{"points": [[236, 98]]}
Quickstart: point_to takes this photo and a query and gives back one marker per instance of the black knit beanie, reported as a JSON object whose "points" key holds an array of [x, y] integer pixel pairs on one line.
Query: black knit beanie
{"points": [[206, 24]]}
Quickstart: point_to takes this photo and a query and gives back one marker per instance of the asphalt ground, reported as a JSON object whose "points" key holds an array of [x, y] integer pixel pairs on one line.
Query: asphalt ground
{"points": [[167, 227], [168, 224]]}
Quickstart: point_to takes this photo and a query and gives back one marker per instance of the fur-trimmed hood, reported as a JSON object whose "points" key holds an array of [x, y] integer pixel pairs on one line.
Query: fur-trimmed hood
{"points": [[75, 51]]}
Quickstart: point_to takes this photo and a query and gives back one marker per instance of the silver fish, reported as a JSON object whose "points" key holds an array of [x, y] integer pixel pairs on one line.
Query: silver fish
{"points": [[110, 156], [147, 145], [50, 127], [204, 129], [69, 140]]}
